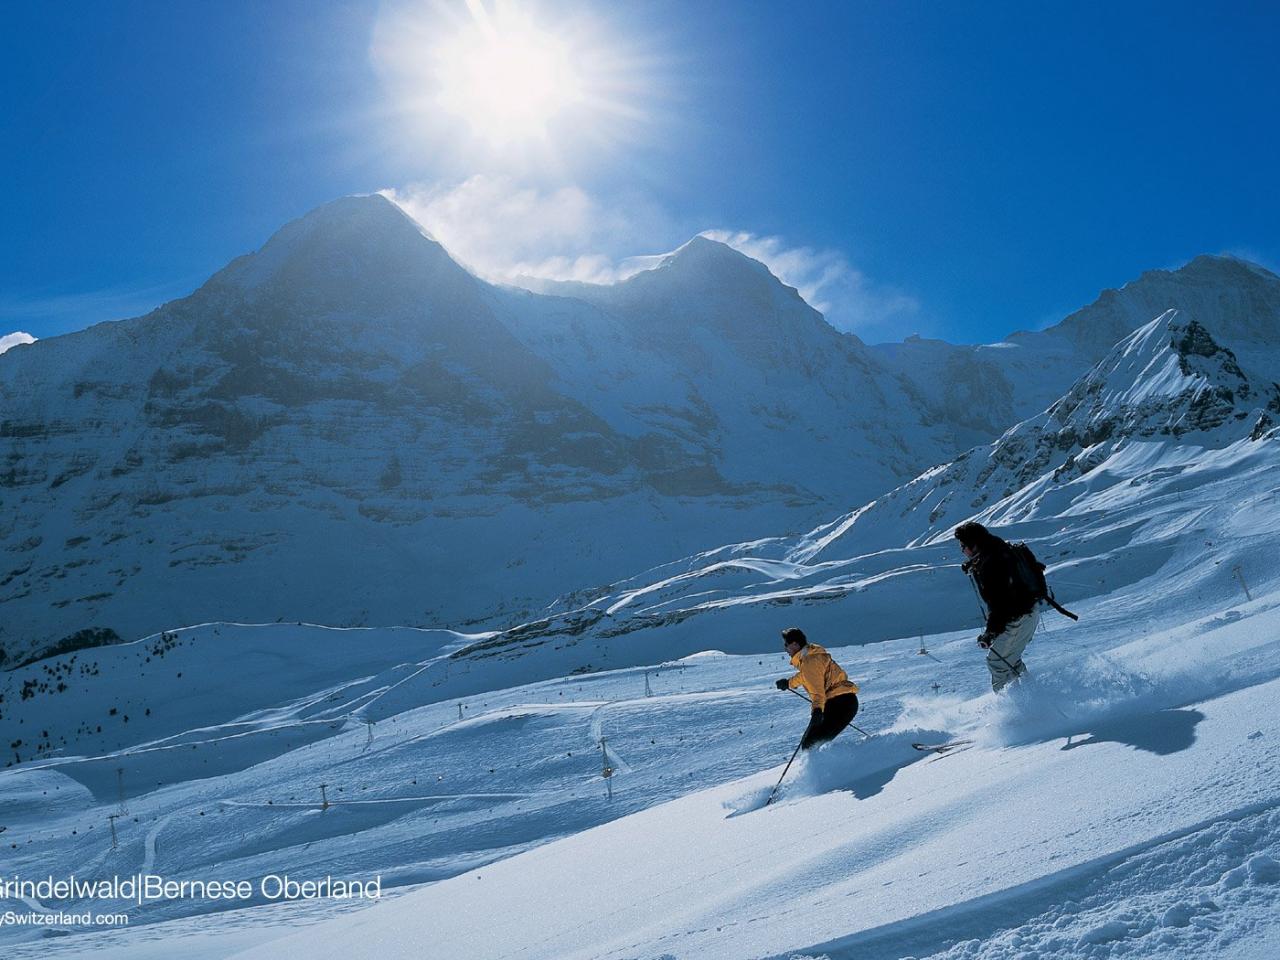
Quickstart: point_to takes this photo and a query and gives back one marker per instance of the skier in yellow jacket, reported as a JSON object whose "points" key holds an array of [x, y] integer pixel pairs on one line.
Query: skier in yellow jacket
{"points": [[833, 695]]}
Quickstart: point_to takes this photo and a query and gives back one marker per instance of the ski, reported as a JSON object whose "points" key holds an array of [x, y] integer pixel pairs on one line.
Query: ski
{"points": [[941, 747], [943, 754]]}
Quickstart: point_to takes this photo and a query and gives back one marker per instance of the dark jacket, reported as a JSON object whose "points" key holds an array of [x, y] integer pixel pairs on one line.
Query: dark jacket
{"points": [[993, 571]]}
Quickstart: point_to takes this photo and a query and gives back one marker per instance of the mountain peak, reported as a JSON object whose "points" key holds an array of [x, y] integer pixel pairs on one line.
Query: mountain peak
{"points": [[352, 243], [1170, 376], [371, 211], [1220, 267], [703, 253], [719, 276], [1238, 299], [721, 280], [1203, 269]]}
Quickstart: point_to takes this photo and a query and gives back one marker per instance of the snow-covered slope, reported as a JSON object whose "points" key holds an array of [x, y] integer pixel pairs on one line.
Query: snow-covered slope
{"points": [[116, 697], [1130, 778], [1149, 830]]}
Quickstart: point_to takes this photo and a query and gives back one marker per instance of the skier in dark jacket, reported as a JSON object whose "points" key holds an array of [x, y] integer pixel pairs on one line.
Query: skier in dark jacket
{"points": [[833, 695], [1012, 613]]}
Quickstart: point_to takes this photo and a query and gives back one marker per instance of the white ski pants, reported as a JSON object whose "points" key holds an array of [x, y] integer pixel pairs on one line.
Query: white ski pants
{"points": [[1004, 657]]}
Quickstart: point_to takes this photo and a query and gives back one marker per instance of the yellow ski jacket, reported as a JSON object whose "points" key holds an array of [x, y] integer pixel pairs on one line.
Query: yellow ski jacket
{"points": [[820, 675]]}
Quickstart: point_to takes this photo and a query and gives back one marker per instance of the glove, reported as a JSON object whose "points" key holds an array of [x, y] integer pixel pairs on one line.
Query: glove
{"points": [[815, 717], [783, 684], [984, 640]]}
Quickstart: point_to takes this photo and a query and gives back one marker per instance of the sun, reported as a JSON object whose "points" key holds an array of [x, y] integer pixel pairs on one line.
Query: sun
{"points": [[505, 76], [513, 84]]}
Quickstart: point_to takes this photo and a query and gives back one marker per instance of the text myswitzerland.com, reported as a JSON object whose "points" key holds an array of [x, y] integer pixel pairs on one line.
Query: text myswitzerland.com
{"points": [[143, 888], [11, 918]]}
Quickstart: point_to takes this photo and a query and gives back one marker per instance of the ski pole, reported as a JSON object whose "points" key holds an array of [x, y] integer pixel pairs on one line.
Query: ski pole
{"points": [[854, 725], [1014, 670], [774, 792], [982, 609]]}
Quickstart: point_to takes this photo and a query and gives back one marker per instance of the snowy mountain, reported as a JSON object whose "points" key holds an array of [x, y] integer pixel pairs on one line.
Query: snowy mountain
{"points": [[709, 347], [1238, 299], [264, 443], [348, 427], [987, 387], [1165, 394]]}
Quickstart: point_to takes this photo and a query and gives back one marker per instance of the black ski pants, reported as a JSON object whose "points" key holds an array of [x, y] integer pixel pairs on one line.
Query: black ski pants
{"points": [[839, 713]]}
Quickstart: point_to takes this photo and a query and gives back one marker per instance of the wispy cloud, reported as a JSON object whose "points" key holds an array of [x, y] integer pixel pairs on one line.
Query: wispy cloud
{"points": [[15, 338], [505, 230], [830, 284]]}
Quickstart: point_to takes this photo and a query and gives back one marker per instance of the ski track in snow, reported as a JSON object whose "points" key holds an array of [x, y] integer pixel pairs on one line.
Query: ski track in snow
{"points": [[151, 842]]}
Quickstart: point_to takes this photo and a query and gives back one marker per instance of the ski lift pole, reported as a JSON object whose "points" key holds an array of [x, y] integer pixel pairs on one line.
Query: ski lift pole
{"points": [[851, 723], [606, 771], [924, 651], [774, 792], [1240, 576]]}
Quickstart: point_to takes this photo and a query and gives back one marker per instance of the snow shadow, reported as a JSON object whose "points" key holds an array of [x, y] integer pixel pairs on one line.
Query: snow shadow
{"points": [[1104, 698], [861, 766], [1162, 733], [1097, 696]]}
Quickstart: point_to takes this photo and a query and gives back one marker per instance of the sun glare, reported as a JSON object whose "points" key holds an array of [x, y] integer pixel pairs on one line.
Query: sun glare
{"points": [[505, 76], [516, 83]]}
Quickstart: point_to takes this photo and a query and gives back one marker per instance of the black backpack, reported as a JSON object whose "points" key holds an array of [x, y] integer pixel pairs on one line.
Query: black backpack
{"points": [[1028, 573]]}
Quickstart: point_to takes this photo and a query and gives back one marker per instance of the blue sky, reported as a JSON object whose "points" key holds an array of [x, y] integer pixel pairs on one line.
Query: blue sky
{"points": [[959, 170]]}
